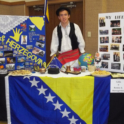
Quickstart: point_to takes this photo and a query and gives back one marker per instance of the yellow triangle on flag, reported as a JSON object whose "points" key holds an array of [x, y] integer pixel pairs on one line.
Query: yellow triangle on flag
{"points": [[76, 92], [38, 22]]}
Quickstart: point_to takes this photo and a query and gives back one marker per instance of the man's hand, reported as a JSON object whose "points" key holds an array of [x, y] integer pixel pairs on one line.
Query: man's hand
{"points": [[16, 35], [82, 53]]}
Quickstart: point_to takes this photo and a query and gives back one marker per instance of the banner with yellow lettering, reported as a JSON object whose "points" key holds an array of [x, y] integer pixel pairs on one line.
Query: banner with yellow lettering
{"points": [[22, 42]]}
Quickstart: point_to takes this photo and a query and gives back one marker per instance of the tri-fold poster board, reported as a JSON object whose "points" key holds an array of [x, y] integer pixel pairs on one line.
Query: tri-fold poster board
{"points": [[111, 41], [22, 42]]}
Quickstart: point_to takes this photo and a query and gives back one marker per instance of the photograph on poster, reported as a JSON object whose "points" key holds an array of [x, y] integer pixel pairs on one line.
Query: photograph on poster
{"points": [[19, 54], [10, 66], [115, 23], [38, 51], [103, 32], [2, 60], [15, 52], [31, 27], [103, 48], [116, 56], [10, 60], [26, 63], [40, 44], [116, 39], [116, 31], [2, 66], [29, 47], [5, 46], [23, 39], [102, 21], [31, 63], [42, 37], [104, 39], [8, 53], [21, 59], [20, 66], [1, 47], [1, 53], [104, 64], [23, 26], [9, 48], [105, 56], [114, 47], [115, 66]]}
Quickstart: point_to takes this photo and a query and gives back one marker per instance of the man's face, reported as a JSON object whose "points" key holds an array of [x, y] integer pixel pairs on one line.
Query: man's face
{"points": [[64, 16]]}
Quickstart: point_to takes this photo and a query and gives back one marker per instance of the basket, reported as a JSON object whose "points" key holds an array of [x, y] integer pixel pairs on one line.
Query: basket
{"points": [[91, 68]]}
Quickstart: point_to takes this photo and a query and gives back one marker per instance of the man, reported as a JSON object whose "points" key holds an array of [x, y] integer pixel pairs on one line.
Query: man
{"points": [[67, 39]]}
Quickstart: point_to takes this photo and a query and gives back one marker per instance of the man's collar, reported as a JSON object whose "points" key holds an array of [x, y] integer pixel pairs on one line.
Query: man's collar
{"points": [[66, 26]]}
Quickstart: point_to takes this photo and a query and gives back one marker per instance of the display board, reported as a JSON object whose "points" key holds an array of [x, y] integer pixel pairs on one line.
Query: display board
{"points": [[111, 41], [22, 42]]}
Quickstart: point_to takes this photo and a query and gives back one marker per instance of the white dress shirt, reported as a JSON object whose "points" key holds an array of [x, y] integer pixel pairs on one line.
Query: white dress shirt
{"points": [[66, 41]]}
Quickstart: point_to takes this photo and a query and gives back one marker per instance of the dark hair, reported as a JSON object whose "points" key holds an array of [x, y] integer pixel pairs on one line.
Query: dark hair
{"points": [[62, 9]]}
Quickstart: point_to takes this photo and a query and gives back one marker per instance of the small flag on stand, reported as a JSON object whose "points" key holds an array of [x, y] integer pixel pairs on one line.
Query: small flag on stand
{"points": [[55, 63], [46, 11]]}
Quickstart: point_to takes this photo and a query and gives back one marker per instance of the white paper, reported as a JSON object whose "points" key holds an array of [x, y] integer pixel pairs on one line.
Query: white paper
{"points": [[117, 86]]}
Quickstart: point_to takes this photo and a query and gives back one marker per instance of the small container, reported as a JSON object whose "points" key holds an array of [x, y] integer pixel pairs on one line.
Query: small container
{"points": [[91, 68], [68, 68], [83, 68], [42, 70], [77, 69]]}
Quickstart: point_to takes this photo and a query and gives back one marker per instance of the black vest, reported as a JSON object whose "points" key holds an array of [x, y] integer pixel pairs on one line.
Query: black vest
{"points": [[72, 36]]}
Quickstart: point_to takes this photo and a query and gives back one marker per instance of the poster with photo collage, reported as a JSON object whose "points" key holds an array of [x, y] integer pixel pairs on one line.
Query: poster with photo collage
{"points": [[22, 42], [111, 41]]}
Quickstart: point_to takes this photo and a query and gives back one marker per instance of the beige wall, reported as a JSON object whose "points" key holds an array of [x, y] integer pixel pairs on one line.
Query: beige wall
{"points": [[12, 10], [4, 10]]}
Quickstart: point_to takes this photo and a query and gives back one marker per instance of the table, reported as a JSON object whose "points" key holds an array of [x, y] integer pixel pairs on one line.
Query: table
{"points": [[116, 113], [62, 100]]}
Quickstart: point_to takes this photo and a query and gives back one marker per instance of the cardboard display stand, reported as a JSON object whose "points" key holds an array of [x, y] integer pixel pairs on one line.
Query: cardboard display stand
{"points": [[111, 41], [22, 42]]}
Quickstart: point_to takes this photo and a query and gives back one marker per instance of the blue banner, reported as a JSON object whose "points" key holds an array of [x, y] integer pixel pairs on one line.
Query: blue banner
{"points": [[22, 42]]}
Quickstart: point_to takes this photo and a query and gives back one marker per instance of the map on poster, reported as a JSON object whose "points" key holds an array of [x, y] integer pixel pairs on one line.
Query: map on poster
{"points": [[22, 42], [111, 41]]}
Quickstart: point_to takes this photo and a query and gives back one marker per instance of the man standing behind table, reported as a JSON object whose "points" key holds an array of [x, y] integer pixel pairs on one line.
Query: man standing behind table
{"points": [[67, 39]]}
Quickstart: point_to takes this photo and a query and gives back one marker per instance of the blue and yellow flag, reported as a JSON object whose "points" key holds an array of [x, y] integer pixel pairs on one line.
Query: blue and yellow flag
{"points": [[46, 11], [46, 100], [54, 63]]}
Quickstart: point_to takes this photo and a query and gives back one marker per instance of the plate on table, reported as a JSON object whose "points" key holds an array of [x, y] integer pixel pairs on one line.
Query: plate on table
{"points": [[96, 75], [100, 73], [20, 73]]}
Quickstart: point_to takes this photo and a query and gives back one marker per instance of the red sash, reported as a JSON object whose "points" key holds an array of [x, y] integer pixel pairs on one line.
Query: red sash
{"points": [[68, 56]]}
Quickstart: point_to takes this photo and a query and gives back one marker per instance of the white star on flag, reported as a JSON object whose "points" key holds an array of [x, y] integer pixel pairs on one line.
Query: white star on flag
{"points": [[34, 82], [50, 98], [42, 90], [65, 113], [26, 77], [73, 120], [57, 105]]}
